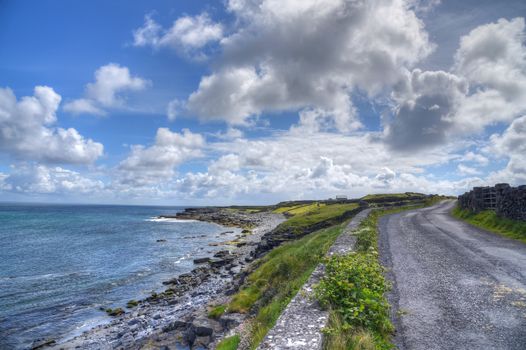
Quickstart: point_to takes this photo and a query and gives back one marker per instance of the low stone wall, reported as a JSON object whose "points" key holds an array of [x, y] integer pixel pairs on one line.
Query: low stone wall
{"points": [[507, 201]]}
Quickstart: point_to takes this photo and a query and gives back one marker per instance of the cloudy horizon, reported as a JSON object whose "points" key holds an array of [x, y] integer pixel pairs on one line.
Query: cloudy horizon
{"points": [[259, 101]]}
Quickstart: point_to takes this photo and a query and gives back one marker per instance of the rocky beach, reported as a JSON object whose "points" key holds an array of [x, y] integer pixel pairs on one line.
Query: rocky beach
{"points": [[178, 317]]}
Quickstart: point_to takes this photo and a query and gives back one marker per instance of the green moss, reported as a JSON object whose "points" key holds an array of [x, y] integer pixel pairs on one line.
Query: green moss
{"points": [[217, 311], [279, 276], [115, 312], [490, 221], [131, 304], [229, 343]]}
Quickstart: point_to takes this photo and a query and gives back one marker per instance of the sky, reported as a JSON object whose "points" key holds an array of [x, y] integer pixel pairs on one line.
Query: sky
{"points": [[258, 101]]}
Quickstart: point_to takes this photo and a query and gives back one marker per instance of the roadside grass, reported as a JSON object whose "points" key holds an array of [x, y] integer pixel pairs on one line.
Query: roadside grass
{"points": [[229, 343], [279, 276], [354, 288], [315, 214], [490, 221]]}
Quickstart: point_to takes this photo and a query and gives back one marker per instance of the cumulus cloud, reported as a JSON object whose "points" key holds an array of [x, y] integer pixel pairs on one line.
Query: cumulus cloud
{"points": [[466, 170], [385, 175], [290, 55], [487, 85], [477, 158], [155, 164], [187, 34], [511, 144], [429, 102], [106, 91], [287, 165], [27, 132], [493, 58], [41, 179]]}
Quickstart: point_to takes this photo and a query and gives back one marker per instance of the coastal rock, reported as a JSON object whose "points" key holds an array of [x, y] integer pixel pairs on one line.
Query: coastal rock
{"points": [[41, 343], [222, 254], [230, 321], [201, 260], [220, 262], [176, 325]]}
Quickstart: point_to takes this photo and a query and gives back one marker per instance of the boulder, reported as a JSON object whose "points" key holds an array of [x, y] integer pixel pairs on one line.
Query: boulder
{"points": [[201, 260]]}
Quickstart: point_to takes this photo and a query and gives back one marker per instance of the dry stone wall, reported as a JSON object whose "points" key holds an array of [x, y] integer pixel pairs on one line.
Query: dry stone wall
{"points": [[507, 201]]}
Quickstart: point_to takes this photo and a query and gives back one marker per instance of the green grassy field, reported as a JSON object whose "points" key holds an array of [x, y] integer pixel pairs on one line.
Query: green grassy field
{"points": [[400, 196], [490, 221], [312, 214], [280, 275]]}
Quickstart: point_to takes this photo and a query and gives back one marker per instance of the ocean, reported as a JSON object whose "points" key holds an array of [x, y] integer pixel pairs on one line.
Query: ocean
{"points": [[60, 263]]}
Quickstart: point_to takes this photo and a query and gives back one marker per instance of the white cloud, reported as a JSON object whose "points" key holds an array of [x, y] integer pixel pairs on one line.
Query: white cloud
{"points": [[149, 166], [111, 81], [289, 55], [42, 179], [429, 102], [475, 158], [27, 132], [385, 175], [173, 109], [289, 165], [435, 107], [188, 34], [466, 170], [511, 144], [493, 58]]}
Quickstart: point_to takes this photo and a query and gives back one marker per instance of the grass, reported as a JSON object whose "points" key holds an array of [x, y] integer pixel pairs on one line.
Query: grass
{"points": [[490, 221], [301, 210], [217, 311], [229, 343], [392, 195], [354, 290], [315, 214], [279, 276]]}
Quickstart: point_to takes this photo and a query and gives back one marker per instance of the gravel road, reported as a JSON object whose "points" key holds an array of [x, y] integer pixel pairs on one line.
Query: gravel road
{"points": [[454, 286]]}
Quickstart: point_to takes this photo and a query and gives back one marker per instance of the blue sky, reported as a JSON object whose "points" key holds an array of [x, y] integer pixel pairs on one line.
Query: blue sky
{"points": [[256, 101]]}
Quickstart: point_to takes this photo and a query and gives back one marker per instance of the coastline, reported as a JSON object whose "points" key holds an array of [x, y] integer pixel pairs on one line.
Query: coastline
{"points": [[178, 316]]}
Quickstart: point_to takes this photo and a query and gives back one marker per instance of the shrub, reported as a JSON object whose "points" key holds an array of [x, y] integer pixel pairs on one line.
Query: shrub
{"points": [[354, 287]]}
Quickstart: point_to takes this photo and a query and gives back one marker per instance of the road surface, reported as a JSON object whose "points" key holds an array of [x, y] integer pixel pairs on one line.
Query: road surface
{"points": [[454, 286]]}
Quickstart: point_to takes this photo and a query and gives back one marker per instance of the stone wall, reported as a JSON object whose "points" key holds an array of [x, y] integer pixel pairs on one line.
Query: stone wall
{"points": [[507, 201]]}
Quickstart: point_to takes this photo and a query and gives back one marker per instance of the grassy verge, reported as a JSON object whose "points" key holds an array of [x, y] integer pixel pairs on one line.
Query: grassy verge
{"points": [[279, 276], [229, 343], [354, 290], [490, 221]]}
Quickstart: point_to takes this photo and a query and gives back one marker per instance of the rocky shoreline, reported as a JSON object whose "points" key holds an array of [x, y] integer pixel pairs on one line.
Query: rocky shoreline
{"points": [[178, 317]]}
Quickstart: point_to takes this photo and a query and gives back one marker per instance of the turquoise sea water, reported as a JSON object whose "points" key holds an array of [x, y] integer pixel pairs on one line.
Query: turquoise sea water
{"points": [[60, 263]]}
